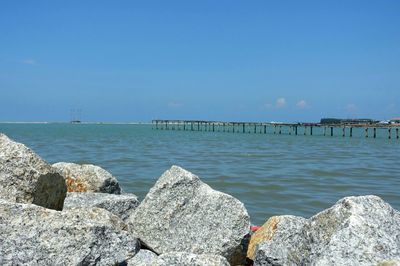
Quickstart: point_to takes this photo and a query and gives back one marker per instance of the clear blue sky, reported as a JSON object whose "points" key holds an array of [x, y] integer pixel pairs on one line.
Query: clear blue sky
{"points": [[217, 60]]}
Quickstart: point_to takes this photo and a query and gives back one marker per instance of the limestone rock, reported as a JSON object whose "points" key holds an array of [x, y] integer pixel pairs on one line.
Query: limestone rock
{"points": [[26, 178], [87, 178], [121, 205], [355, 231], [32, 235], [276, 227], [189, 259], [143, 258], [183, 214]]}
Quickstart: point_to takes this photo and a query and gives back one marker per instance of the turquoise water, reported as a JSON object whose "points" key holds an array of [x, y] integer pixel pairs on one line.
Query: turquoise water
{"points": [[270, 174]]}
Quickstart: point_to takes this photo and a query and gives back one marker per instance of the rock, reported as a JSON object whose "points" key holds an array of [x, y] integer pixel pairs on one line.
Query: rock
{"points": [[87, 178], [389, 263], [276, 227], [148, 258], [355, 231], [143, 258], [190, 259], [32, 235], [26, 178], [183, 214], [121, 205]]}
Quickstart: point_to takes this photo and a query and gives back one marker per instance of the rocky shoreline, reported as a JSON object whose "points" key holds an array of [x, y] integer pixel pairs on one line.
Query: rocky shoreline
{"points": [[69, 214]]}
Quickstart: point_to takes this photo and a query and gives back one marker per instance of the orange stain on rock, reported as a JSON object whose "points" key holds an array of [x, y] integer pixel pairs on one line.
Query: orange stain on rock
{"points": [[73, 185], [264, 233]]}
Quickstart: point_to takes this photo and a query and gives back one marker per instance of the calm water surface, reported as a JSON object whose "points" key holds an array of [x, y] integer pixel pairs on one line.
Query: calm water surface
{"points": [[270, 174]]}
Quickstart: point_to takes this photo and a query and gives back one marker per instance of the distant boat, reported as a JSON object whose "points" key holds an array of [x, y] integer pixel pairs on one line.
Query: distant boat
{"points": [[76, 115]]}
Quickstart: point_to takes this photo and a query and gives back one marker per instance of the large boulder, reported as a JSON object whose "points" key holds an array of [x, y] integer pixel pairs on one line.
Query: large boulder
{"points": [[87, 178], [181, 213], [32, 235], [355, 231], [190, 259], [121, 205], [26, 178]]}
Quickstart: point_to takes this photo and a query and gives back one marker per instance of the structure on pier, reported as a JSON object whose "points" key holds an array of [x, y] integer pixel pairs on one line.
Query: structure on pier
{"points": [[370, 130]]}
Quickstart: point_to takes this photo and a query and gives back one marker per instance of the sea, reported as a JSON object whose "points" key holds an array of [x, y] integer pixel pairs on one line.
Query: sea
{"points": [[272, 174]]}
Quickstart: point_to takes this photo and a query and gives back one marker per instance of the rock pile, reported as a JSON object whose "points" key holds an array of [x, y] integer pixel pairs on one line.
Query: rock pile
{"points": [[181, 221]]}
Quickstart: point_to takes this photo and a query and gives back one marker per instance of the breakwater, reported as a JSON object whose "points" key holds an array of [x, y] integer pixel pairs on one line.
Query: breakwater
{"points": [[343, 130]]}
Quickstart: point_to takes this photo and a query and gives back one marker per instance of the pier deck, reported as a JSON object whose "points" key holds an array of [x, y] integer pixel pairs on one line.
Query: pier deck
{"points": [[344, 130]]}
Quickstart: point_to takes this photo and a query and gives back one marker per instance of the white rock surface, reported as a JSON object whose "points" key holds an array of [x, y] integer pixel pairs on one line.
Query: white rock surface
{"points": [[190, 259], [121, 205], [143, 258]]}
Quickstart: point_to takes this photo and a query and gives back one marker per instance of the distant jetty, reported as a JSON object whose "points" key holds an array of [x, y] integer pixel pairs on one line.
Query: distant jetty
{"points": [[327, 127]]}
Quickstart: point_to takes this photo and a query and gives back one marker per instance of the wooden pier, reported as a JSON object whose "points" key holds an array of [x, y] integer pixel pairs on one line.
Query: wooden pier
{"points": [[343, 130]]}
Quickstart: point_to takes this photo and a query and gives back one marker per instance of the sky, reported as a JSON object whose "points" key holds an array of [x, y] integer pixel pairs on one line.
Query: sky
{"points": [[125, 61]]}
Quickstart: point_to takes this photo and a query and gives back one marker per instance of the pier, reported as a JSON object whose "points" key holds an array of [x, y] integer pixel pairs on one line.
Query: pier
{"points": [[343, 130]]}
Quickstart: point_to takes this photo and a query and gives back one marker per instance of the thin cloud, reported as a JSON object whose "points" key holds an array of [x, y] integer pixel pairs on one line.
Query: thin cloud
{"points": [[280, 102], [351, 108], [302, 104], [268, 106], [29, 62], [174, 105], [391, 108]]}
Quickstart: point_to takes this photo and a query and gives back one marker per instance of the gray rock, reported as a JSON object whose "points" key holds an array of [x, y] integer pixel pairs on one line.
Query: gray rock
{"points": [[26, 178], [190, 259], [121, 205], [143, 258], [32, 235], [87, 178], [148, 258], [181, 213], [355, 231]]}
